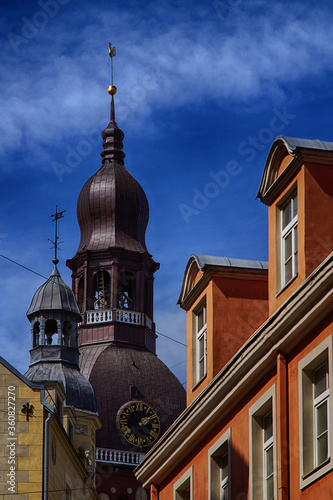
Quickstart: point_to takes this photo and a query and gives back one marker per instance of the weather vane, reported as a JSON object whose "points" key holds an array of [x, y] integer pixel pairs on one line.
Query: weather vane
{"points": [[56, 217], [112, 89]]}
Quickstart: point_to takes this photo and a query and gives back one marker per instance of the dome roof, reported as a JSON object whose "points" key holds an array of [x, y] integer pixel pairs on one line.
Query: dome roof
{"points": [[112, 210], [54, 295], [79, 392], [119, 375]]}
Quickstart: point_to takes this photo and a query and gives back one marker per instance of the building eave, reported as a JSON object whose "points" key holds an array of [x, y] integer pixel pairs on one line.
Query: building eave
{"points": [[232, 268], [301, 312], [301, 151]]}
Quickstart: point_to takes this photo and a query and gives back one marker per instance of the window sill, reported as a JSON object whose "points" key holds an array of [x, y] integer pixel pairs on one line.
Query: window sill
{"points": [[286, 285], [316, 468], [316, 473], [198, 383]]}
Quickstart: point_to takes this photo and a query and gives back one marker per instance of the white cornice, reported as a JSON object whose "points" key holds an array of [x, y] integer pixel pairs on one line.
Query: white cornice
{"points": [[307, 306], [302, 151]]}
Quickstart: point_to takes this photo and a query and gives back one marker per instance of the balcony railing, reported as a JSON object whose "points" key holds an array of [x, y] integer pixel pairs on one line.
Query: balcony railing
{"points": [[119, 457], [119, 315]]}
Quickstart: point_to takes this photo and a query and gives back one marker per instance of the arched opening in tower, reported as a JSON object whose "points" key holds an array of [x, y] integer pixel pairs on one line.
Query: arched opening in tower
{"points": [[67, 333], [36, 333], [80, 294], [126, 290], [102, 289], [50, 329]]}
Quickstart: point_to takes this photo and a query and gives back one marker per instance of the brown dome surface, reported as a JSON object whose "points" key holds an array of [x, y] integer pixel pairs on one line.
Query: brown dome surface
{"points": [[119, 375], [112, 210]]}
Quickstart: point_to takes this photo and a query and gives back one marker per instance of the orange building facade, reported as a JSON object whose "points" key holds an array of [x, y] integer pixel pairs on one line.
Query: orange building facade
{"points": [[259, 418]]}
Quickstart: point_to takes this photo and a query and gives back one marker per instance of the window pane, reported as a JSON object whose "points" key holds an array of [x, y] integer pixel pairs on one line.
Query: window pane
{"points": [[322, 418], [224, 466], [201, 345], [270, 488], [295, 205], [320, 380], [295, 251], [269, 461], [187, 494], [322, 448], [268, 428], [200, 319], [286, 215], [288, 271], [287, 246], [201, 369]]}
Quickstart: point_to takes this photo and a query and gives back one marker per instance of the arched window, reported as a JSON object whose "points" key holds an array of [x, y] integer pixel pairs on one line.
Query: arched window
{"points": [[50, 329], [80, 294], [36, 332], [102, 283], [126, 290], [147, 298], [67, 333]]}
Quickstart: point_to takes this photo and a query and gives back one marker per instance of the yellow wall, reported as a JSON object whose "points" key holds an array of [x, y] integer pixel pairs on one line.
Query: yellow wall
{"points": [[65, 468], [24, 457]]}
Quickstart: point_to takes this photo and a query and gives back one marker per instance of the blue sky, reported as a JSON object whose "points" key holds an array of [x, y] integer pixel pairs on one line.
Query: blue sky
{"points": [[203, 89]]}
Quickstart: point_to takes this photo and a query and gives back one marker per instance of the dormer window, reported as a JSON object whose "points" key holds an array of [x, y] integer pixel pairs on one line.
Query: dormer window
{"points": [[289, 219]]}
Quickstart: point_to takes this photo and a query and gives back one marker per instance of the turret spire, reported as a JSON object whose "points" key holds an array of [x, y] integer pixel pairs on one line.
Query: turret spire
{"points": [[112, 135]]}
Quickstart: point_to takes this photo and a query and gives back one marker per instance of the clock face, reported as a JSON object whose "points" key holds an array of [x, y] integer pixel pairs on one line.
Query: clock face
{"points": [[138, 424]]}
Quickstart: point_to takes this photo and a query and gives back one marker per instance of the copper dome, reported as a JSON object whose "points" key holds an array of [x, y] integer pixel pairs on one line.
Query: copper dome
{"points": [[112, 210]]}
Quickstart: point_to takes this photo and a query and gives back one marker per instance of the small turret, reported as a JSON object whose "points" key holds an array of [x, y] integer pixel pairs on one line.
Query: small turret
{"points": [[54, 354]]}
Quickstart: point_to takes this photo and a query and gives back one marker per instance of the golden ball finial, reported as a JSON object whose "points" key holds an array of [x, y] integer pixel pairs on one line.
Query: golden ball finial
{"points": [[112, 89]]}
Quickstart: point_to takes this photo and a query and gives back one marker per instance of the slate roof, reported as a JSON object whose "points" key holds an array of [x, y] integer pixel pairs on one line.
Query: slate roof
{"points": [[293, 143], [79, 392], [54, 295], [210, 260]]}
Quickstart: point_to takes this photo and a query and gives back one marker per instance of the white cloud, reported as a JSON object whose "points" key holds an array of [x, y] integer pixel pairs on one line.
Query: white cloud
{"points": [[47, 91]]}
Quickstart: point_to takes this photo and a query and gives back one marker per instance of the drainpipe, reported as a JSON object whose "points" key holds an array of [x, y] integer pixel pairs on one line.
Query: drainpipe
{"points": [[282, 427], [46, 456]]}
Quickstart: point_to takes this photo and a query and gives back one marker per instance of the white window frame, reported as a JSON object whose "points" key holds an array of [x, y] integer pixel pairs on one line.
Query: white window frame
{"points": [[183, 487], [318, 402], [310, 468], [268, 444], [259, 447], [289, 230], [217, 484], [200, 339]]}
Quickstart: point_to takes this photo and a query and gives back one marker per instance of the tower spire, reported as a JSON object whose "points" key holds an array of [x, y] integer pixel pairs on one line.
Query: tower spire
{"points": [[112, 135], [56, 217], [112, 89]]}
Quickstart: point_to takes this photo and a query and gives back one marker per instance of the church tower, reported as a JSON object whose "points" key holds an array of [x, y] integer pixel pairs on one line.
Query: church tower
{"points": [[113, 275]]}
